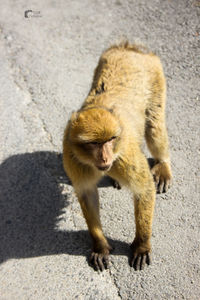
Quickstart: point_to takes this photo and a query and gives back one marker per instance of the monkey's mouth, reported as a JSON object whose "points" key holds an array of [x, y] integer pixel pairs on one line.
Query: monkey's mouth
{"points": [[105, 168]]}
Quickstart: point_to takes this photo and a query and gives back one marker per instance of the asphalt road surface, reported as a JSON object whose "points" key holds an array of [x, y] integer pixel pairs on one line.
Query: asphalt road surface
{"points": [[46, 66]]}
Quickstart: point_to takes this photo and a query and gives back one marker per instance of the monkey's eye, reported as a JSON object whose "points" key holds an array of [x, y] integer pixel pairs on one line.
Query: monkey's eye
{"points": [[112, 138], [94, 143]]}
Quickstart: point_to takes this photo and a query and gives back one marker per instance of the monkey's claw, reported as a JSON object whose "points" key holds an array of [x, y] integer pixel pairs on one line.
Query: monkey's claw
{"points": [[99, 261]]}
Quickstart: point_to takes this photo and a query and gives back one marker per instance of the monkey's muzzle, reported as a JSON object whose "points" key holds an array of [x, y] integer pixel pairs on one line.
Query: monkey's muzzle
{"points": [[104, 168]]}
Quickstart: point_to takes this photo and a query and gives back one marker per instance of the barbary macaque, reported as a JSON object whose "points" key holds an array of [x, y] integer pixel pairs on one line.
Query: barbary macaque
{"points": [[125, 104]]}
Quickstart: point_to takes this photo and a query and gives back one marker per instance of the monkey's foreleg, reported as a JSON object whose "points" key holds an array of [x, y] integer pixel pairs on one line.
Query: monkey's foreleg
{"points": [[137, 176], [141, 246], [144, 199], [90, 206]]}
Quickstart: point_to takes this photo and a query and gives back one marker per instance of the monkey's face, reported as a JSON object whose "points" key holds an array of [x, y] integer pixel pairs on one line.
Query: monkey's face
{"points": [[95, 134], [101, 153]]}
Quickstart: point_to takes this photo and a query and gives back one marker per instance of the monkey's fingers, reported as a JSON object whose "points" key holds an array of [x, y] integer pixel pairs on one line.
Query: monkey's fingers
{"points": [[157, 183], [167, 185], [163, 186], [99, 261], [156, 179], [94, 261], [116, 184], [139, 260], [160, 187], [148, 258]]}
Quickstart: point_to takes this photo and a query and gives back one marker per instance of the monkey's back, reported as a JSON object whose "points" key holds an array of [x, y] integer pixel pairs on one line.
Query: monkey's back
{"points": [[128, 80]]}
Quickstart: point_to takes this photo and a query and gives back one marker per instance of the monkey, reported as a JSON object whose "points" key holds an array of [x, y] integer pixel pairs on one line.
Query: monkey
{"points": [[126, 103]]}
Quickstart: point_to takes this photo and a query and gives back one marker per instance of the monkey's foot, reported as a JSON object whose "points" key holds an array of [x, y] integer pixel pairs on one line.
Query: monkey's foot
{"points": [[100, 261], [141, 255], [162, 176]]}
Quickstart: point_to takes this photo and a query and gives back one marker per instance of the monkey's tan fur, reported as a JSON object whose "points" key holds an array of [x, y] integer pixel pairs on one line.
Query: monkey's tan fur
{"points": [[126, 103]]}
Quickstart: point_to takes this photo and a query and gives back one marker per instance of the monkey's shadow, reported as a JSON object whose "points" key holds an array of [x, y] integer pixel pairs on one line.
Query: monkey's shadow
{"points": [[31, 204]]}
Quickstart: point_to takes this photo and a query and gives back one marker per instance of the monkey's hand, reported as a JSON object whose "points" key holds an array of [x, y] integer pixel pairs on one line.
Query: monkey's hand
{"points": [[141, 255], [116, 184], [100, 260], [162, 176]]}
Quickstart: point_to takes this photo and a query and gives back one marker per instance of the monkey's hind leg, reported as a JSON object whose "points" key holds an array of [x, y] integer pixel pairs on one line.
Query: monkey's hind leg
{"points": [[89, 202], [157, 141]]}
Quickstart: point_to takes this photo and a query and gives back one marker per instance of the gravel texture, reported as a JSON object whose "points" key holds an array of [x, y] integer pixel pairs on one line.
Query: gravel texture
{"points": [[46, 68]]}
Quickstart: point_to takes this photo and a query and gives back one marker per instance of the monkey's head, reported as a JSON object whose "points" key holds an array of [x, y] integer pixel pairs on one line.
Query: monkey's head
{"points": [[94, 134]]}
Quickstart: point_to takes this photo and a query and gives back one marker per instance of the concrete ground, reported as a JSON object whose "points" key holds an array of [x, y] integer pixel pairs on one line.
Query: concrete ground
{"points": [[46, 67]]}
